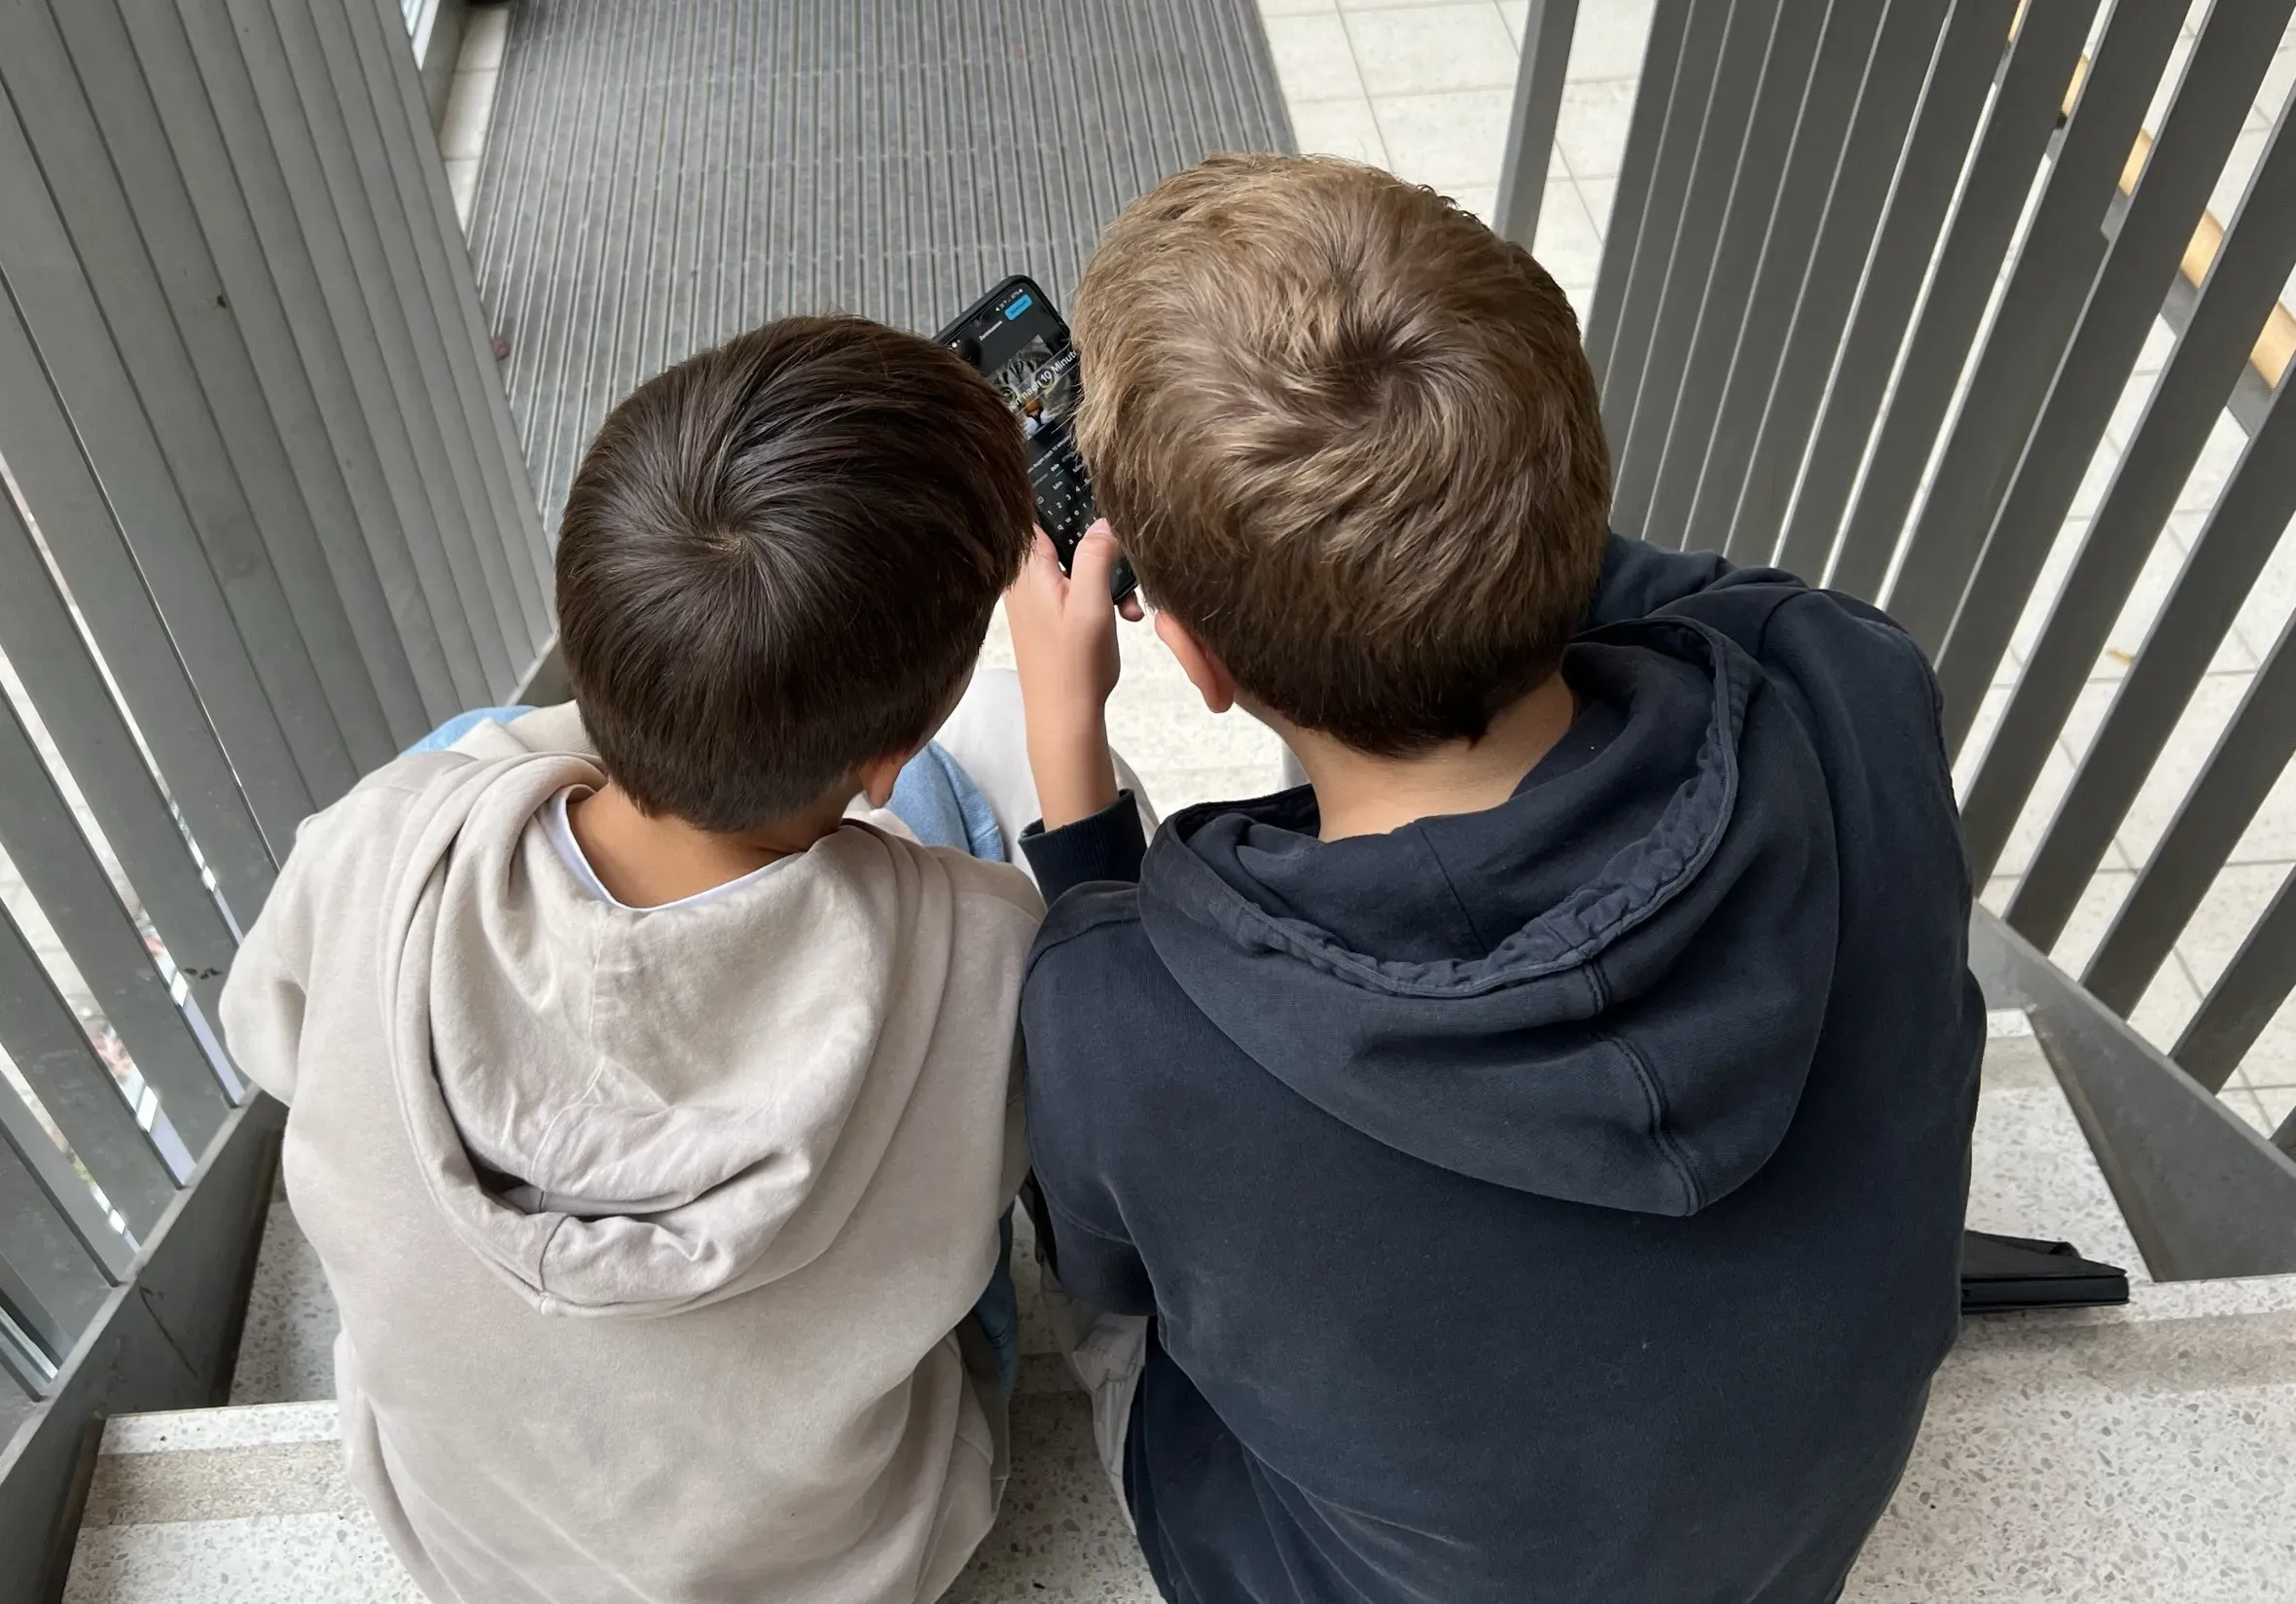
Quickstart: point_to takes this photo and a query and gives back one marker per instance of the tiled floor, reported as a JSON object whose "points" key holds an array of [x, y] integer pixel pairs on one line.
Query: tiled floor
{"points": [[1424, 90]]}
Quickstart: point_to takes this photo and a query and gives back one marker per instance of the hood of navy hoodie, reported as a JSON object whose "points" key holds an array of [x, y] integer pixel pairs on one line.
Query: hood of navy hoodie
{"points": [[1607, 989]]}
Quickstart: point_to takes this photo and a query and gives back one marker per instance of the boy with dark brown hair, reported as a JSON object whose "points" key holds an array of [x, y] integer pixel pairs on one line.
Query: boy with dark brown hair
{"points": [[653, 1103], [1527, 1161]]}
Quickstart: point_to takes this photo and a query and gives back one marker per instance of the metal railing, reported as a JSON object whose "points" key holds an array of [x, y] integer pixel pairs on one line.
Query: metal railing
{"points": [[265, 521], [1877, 273]]}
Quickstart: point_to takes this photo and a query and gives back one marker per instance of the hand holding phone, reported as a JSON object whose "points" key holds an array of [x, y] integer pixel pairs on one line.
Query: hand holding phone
{"points": [[1016, 340], [1064, 649]]}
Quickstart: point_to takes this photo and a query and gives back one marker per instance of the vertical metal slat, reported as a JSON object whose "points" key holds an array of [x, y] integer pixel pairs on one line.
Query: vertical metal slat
{"points": [[1530, 125], [54, 1056], [2055, 268], [108, 581], [1788, 89], [282, 178], [231, 328], [304, 114], [1630, 332], [266, 272], [2240, 773], [76, 897], [1662, 60], [84, 244], [2245, 997], [1722, 139], [66, 686], [2220, 82], [1907, 116], [2233, 547], [2243, 286], [316, 34], [2017, 132]]}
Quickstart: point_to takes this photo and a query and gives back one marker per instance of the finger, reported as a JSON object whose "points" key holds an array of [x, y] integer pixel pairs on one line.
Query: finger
{"points": [[1095, 560], [1131, 610]]}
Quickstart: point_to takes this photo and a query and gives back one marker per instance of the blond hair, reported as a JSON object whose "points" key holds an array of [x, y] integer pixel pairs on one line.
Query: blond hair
{"points": [[1348, 438]]}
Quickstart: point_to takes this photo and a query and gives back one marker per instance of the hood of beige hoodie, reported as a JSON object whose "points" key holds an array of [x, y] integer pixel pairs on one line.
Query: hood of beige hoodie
{"points": [[631, 1113]]}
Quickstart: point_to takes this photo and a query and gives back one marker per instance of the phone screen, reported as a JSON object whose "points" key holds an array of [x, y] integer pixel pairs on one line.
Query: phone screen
{"points": [[1015, 337]]}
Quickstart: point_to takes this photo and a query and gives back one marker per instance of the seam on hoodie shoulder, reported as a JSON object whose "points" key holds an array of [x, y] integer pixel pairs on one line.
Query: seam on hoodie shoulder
{"points": [[1659, 1134], [1081, 912]]}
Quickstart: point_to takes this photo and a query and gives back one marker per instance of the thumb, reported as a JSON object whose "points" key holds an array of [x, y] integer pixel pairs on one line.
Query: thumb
{"points": [[1094, 563]]}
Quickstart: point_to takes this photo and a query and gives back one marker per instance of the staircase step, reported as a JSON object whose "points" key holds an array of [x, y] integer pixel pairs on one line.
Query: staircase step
{"points": [[2118, 1456], [249, 1505]]}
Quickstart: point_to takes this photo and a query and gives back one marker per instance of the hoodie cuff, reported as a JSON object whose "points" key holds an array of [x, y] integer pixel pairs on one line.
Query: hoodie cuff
{"points": [[1107, 845]]}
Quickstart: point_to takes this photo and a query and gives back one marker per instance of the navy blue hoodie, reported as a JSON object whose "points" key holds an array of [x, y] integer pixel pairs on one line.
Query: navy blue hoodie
{"points": [[1560, 1202]]}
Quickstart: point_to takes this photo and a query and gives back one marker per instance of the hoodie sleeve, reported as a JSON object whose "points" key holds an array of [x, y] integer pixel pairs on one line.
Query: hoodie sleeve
{"points": [[1109, 845], [1076, 1136], [263, 995]]}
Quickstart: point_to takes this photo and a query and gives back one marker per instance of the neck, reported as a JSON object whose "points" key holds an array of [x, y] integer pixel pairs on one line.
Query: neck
{"points": [[646, 860], [1361, 794]]}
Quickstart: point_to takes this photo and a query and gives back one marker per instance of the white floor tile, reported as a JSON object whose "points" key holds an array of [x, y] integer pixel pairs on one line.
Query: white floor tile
{"points": [[2271, 837], [2239, 894], [2159, 342], [1517, 12], [2279, 79], [2248, 1106], [1340, 127], [2047, 584], [1599, 193], [2271, 1064], [1296, 7], [1445, 139], [2270, 606], [1433, 48], [1990, 711], [2227, 443], [1592, 127], [2167, 1005], [1567, 245], [2156, 114], [1313, 59], [2273, 1105], [1609, 40], [2180, 763], [2092, 917], [2040, 812], [1482, 200], [2232, 183]]}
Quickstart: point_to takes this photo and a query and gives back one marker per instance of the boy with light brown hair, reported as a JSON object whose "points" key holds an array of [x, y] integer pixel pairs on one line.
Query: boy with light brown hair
{"points": [[1526, 1161]]}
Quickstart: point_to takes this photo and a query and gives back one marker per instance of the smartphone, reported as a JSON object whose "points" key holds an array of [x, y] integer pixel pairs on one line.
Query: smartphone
{"points": [[1015, 337]]}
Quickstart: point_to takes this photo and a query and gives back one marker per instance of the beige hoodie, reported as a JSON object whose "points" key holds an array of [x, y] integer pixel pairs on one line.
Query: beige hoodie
{"points": [[652, 1231]]}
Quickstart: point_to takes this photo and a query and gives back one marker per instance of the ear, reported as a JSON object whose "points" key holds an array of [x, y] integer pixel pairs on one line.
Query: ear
{"points": [[878, 775], [1204, 668]]}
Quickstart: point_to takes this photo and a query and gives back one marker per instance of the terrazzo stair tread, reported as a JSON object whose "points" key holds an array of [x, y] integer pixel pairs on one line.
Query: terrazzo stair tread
{"points": [[2125, 1455], [287, 1347], [2119, 1454], [2031, 1170], [250, 1504]]}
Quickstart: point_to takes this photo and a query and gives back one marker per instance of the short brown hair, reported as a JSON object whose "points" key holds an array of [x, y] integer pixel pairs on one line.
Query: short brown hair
{"points": [[778, 562], [1349, 436]]}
